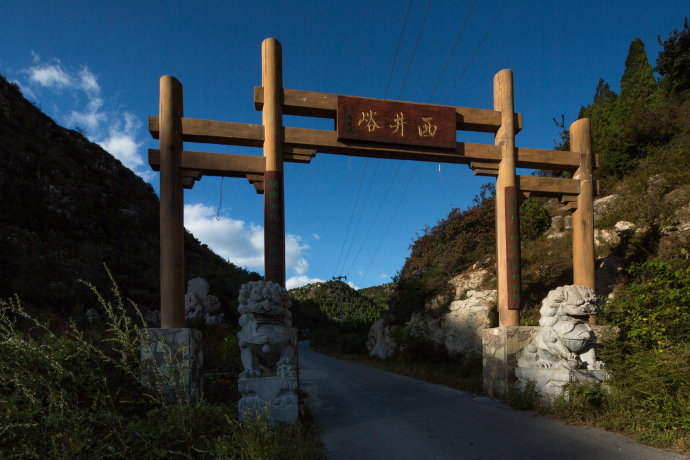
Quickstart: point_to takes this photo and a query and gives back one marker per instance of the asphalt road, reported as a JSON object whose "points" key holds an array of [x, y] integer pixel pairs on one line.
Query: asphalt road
{"points": [[366, 413]]}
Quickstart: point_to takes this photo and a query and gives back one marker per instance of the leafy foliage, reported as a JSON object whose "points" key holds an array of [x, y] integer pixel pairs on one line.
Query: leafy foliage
{"points": [[534, 219], [442, 251], [69, 206], [78, 394], [673, 63], [336, 316], [654, 309]]}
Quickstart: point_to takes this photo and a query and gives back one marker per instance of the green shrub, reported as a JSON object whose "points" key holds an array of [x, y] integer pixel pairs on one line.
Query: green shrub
{"points": [[533, 219], [654, 310], [78, 394]]}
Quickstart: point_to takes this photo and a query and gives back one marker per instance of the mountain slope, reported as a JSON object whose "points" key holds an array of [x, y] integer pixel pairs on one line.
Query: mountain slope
{"points": [[68, 207]]}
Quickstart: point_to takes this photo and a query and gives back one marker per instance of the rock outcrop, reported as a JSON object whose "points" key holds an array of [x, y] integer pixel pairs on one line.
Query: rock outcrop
{"points": [[455, 323]]}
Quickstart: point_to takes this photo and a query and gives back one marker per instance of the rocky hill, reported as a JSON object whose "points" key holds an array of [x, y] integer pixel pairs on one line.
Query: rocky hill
{"points": [[68, 207]]}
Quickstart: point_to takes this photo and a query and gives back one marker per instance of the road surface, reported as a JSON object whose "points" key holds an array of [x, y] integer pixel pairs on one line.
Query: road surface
{"points": [[365, 413]]}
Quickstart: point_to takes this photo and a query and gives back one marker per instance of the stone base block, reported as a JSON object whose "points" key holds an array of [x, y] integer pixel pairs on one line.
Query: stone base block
{"points": [[549, 383], [275, 397], [171, 362], [501, 346]]}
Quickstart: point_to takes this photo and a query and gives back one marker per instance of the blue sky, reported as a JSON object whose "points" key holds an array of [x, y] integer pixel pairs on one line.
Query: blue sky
{"points": [[96, 66]]}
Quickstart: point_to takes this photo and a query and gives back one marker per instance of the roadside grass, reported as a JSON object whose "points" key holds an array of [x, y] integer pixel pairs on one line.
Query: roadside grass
{"points": [[77, 393]]}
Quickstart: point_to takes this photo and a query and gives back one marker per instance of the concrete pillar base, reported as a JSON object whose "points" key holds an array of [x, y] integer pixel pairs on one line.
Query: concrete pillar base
{"points": [[171, 361], [274, 397]]}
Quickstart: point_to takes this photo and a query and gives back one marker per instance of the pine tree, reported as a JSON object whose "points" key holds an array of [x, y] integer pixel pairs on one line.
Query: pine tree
{"points": [[673, 63], [637, 83]]}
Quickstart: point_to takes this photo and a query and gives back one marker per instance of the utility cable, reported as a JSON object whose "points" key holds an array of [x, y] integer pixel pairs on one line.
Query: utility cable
{"points": [[414, 50], [452, 51], [467, 66], [388, 83]]}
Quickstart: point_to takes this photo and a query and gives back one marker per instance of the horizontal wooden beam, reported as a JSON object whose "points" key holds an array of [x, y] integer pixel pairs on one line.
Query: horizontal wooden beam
{"points": [[324, 105], [485, 165], [187, 182], [571, 205], [298, 139], [485, 172], [259, 187], [194, 174], [568, 198], [215, 164], [255, 178], [547, 186]]}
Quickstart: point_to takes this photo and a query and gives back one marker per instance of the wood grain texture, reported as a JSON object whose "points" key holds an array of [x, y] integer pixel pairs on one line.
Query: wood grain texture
{"points": [[324, 105]]}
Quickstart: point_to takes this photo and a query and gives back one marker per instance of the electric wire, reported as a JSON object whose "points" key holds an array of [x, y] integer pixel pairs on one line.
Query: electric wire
{"points": [[385, 232], [407, 72], [388, 83], [414, 50], [474, 55], [452, 50]]}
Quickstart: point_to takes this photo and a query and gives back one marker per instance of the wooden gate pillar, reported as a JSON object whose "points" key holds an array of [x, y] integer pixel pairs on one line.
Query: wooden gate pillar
{"points": [[274, 203], [507, 245], [171, 204], [583, 216]]}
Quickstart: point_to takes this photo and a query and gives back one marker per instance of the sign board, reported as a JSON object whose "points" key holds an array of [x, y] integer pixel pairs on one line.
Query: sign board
{"points": [[393, 122]]}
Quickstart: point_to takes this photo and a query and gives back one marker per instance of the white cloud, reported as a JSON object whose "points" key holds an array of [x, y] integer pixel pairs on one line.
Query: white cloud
{"points": [[300, 280], [316, 236], [384, 276], [50, 75], [116, 132], [240, 242]]}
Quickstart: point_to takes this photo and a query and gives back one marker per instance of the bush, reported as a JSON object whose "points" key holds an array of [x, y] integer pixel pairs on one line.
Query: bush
{"points": [[534, 219], [654, 310], [78, 394]]}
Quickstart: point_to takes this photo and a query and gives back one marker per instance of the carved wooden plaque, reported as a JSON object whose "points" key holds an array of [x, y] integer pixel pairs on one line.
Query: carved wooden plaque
{"points": [[378, 120]]}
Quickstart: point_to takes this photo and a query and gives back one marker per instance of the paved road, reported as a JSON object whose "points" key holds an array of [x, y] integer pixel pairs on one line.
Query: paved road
{"points": [[368, 414]]}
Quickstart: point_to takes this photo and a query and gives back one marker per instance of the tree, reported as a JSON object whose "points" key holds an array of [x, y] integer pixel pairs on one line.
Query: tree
{"points": [[673, 63], [637, 83]]}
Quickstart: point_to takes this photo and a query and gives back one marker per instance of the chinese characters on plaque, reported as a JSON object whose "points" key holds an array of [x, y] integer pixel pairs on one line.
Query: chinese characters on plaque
{"points": [[395, 122], [513, 247]]}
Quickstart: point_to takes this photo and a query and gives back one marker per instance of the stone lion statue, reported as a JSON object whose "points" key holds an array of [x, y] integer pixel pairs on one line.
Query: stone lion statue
{"points": [[267, 339], [566, 340]]}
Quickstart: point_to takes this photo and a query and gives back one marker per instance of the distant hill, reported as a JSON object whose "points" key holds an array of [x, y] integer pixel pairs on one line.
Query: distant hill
{"points": [[68, 207]]}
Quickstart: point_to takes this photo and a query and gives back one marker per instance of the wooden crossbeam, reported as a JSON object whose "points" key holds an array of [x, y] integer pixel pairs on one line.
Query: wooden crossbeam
{"points": [[324, 105], [548, 186], [485, 172], [214, 164], [568, 198], [252, 178], [490, 165], [298, 139]]}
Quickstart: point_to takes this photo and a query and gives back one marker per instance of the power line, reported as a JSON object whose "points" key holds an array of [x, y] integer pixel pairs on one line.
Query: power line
{"points": [[390, 75], [378, 213], [347, 232], [414, 51], [452, 50], [467, 66], [445, 102]]}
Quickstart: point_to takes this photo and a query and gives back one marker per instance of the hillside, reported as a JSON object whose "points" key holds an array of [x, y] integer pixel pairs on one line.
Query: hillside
{"points": [[68, 207]]}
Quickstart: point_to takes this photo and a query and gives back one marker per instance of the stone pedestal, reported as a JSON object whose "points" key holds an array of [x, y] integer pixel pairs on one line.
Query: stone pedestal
{"points": [[171, 362], [501, 346], [272, 397], [549, 383]]}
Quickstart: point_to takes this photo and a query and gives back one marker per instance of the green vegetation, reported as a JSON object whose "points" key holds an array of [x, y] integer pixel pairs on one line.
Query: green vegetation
{"points": [[77, 393], [68, 207], [336, 316]]}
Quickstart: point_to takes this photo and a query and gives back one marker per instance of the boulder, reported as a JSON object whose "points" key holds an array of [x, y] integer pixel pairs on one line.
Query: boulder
{"points": [[457, 324], [603, 205], [380, 342]]}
